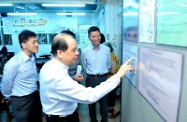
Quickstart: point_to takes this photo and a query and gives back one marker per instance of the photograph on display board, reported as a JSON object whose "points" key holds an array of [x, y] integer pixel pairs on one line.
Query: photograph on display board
{"points": [[131, 34], [42, 38], [130, 20], [51, 35], [7, 39], [171, 23]]}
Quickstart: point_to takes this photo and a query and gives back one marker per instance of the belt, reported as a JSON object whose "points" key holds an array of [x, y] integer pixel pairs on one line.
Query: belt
{"points": [[26, 96], [97, 75], [59, 116]]}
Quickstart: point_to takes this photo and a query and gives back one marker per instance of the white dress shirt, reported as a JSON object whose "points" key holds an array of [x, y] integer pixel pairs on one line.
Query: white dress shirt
{"points": [[60, 93]]}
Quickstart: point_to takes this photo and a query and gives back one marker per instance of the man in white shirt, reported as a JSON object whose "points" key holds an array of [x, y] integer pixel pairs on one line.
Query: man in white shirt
{"points": [[59, 93]]}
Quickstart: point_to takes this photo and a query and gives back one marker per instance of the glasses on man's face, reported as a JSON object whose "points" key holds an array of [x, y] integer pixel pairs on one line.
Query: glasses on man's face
{"points": [[132, 35]]}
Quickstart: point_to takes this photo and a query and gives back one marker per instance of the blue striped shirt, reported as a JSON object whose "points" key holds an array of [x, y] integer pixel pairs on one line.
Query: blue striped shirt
{"points": [[96, 61], [19, 76]]}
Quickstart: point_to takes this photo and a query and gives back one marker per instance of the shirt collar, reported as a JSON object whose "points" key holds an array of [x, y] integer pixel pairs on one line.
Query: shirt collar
{"points": [[26, 57], [59, 64], [95, 48]]}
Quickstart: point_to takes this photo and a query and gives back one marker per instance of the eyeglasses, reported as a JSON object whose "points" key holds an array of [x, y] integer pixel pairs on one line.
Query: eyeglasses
{"points": [[133, 35]]}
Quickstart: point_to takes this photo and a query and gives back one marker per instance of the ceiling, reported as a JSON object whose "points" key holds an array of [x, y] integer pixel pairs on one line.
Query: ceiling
{"points": [[35, 6]]}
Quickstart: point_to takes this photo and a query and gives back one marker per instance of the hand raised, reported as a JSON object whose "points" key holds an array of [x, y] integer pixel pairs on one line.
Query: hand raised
{"points": [[124, 68]]}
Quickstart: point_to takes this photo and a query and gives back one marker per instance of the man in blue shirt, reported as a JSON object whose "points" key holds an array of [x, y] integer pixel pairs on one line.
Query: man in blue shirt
{"points": [[97, 63], [19, 83]]}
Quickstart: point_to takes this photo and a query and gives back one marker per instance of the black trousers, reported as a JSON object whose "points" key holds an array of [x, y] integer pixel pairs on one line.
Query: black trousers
{"points": [[92, 81], [112, 98], [70, 118], [27, 108]]}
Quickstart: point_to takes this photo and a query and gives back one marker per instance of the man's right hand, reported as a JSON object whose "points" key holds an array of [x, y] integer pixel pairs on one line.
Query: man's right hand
{"points": [[124, 68]]}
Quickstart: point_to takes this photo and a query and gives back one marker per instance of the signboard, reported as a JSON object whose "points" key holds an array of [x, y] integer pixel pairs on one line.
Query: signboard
{"points": [[128, 52], [39, 24], [171, 22], [160, 80]]}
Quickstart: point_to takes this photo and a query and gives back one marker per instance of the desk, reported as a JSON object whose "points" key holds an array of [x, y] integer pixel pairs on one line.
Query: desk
{"points": [[47, 55], [40, 62]]}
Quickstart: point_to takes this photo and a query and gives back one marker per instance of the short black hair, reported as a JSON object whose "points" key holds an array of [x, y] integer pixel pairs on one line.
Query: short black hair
{"points": [[93, 28], [102, 38], [69, 32], [25, 35]]}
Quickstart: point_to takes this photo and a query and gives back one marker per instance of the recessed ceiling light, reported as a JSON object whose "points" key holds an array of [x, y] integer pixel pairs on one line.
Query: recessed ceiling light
{"points": [[75, 14], [6, 4], [21, 14], [63, 5]]}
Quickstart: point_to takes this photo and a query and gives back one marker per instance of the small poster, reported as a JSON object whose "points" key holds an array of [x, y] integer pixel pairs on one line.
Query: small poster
{"points": [[83, 36], [147, 21], [128, 52]]}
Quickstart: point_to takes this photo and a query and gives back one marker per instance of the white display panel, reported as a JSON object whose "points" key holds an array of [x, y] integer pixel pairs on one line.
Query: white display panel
{"points": [[130, 20], [128, 52], [160, 80], [147, 21], [171, 22]]}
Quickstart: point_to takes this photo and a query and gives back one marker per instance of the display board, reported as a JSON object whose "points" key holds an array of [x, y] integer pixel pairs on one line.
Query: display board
{"points": [[130, 20], [160, 80], [128, 52], [171, 22], [147, 21]]}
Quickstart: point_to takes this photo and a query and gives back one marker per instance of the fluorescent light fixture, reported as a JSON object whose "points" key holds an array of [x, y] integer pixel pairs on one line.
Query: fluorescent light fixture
{"points": [[73, 14], [88, 2], [6, 4], [21, 14], [64, 5], [130, 14]]}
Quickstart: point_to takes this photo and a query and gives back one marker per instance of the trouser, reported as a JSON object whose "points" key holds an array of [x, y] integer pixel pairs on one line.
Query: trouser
{"points": [[70, 118], [92, 81], [27, 108], [112, 98]]}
